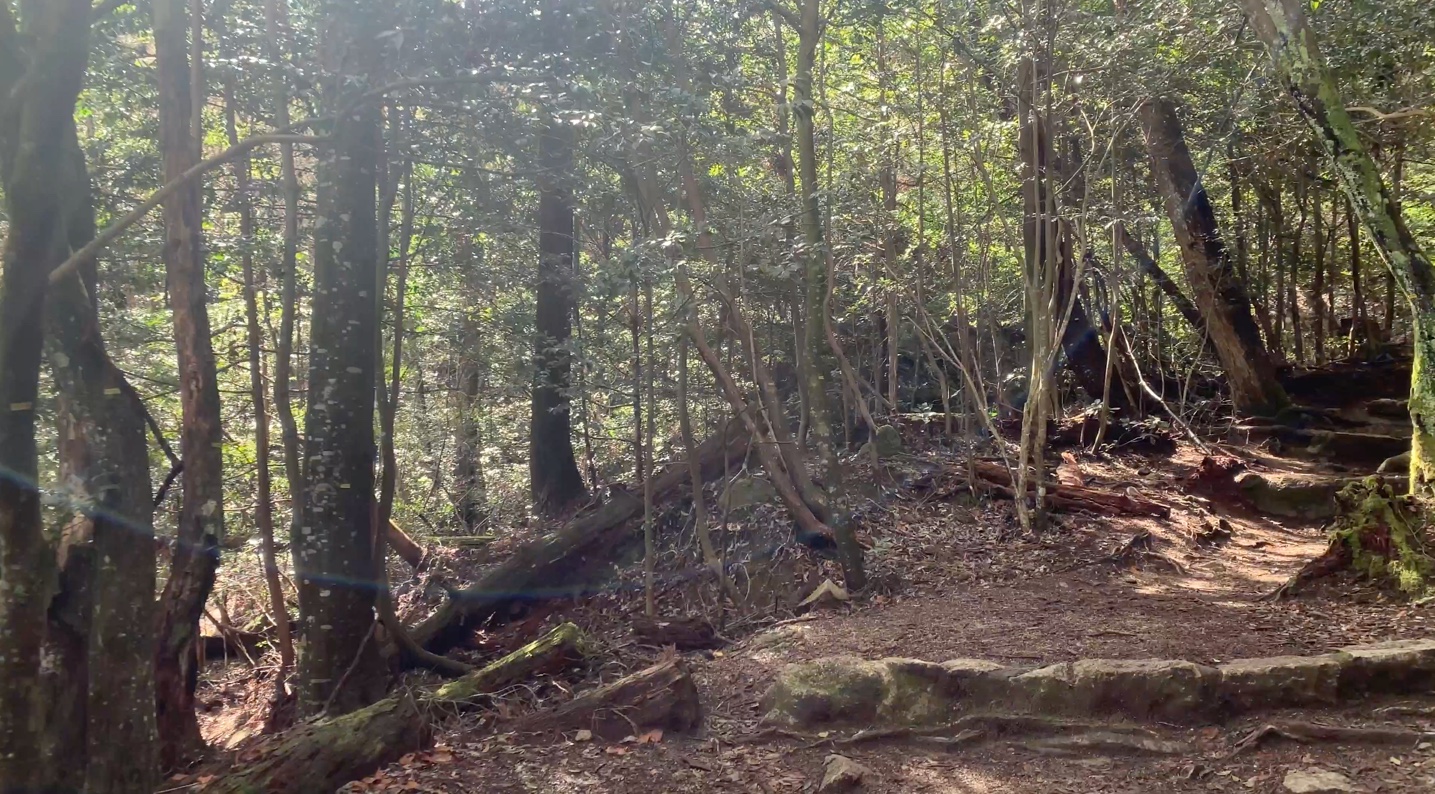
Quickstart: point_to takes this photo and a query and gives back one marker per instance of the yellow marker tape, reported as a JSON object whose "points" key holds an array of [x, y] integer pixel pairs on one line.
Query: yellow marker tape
{"points": [[21, 406]]}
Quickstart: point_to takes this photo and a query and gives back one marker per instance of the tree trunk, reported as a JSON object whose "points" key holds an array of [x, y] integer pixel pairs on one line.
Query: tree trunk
{"points": [[1216, 286], [340, 669], [263, 497], [1281, 24], [555, 481], [201, 515], [37, 101], [110, 560], [815, 357], [275, 22]]}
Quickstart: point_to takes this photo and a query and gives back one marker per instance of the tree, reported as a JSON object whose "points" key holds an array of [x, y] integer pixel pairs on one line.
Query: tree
{"points": [[553, 470], [201, 518], [1216, 286], [43, 56], [1296, 54], [339, 667]]}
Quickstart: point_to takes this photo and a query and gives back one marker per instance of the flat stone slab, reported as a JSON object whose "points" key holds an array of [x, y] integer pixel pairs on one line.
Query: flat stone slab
{"points": [[912, 692]]}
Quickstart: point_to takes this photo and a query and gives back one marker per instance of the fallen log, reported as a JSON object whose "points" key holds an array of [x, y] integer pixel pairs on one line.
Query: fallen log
{"points": [[685, 634], [558, 649], [405, 546], [323, 755], [663, 696], [993, 477], [562, 563]]}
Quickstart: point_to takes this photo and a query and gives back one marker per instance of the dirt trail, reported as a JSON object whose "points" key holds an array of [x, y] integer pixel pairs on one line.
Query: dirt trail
{"points": [[958, 581]]}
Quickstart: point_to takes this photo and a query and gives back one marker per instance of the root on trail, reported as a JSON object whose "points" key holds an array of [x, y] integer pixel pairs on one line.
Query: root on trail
{"points": [[1310, 733], [1378, 533]]}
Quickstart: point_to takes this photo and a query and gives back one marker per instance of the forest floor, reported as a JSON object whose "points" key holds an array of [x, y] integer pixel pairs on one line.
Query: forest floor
{"points": [[957, 578]]}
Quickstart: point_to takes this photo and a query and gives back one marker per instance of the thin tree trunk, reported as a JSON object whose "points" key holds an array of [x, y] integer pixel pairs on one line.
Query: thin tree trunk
{"points": [[1317, 302], [263, 497], [1357, 300], [276, 30], [200, 525]]}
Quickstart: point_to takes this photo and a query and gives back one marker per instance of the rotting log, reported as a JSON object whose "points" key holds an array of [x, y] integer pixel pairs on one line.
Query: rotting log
{"points": [[321, 756], [686, 634], [558, 564], [993, 477], [556, 650], [662, 696]]}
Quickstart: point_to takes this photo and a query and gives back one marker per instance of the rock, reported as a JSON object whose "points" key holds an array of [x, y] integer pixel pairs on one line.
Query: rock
{"points": [[888, 691], [1317, 781], [1401, 666], [1250, 684], [842, 774], [888, 441], [1396, 464], [746, 493], [1142, 689]]}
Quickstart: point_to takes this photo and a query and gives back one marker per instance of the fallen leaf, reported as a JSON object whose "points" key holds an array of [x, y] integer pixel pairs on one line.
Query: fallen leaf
{"points": [[584, 735], [651, 737], [615, 750], [441, 757]]}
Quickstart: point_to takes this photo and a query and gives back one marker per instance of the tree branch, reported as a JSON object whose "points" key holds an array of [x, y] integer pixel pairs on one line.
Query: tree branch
{"points": [[113, 232]]}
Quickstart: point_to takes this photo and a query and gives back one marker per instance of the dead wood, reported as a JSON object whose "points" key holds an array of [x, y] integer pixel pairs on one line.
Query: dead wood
{"points": [[324, 755], [992, 477], [562, 563], [686, 634], [405, 546], [662, 696], [558, 649]]}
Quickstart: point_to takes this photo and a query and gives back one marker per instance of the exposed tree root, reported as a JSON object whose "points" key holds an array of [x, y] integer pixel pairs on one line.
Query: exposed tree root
{"points": [[1378, 533], [1310, 733]]}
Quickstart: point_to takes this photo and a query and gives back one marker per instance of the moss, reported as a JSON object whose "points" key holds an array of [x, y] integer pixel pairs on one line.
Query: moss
{"points": [[1383, 530]]}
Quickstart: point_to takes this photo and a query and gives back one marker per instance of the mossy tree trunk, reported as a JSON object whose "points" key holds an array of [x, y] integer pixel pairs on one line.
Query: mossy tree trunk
{"points": [[1282, 25]]}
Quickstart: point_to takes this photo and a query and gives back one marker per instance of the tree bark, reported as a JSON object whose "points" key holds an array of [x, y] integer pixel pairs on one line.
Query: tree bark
{"points": [[553, 470], [340, 669], [201, 513], [662, 696], [263, 496], [39, 82], [1216, 286], [1282, 25]]}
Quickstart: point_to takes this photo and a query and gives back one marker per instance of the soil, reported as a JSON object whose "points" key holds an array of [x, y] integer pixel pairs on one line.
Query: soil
{"points": [[955, 577]]}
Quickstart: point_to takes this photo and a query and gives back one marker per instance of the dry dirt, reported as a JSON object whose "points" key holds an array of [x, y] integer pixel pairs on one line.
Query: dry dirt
{"points": [[960, 580]]}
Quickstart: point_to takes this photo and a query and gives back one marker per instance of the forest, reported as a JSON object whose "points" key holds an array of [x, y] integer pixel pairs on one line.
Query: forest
{"points": [[763, 395]]}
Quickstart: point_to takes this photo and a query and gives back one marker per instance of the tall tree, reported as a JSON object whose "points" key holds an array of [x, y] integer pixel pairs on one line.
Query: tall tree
{"points": [[553, 470], [1297, 56], [340, 668], [201, 513], [1215, 285], [43, 56]]}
